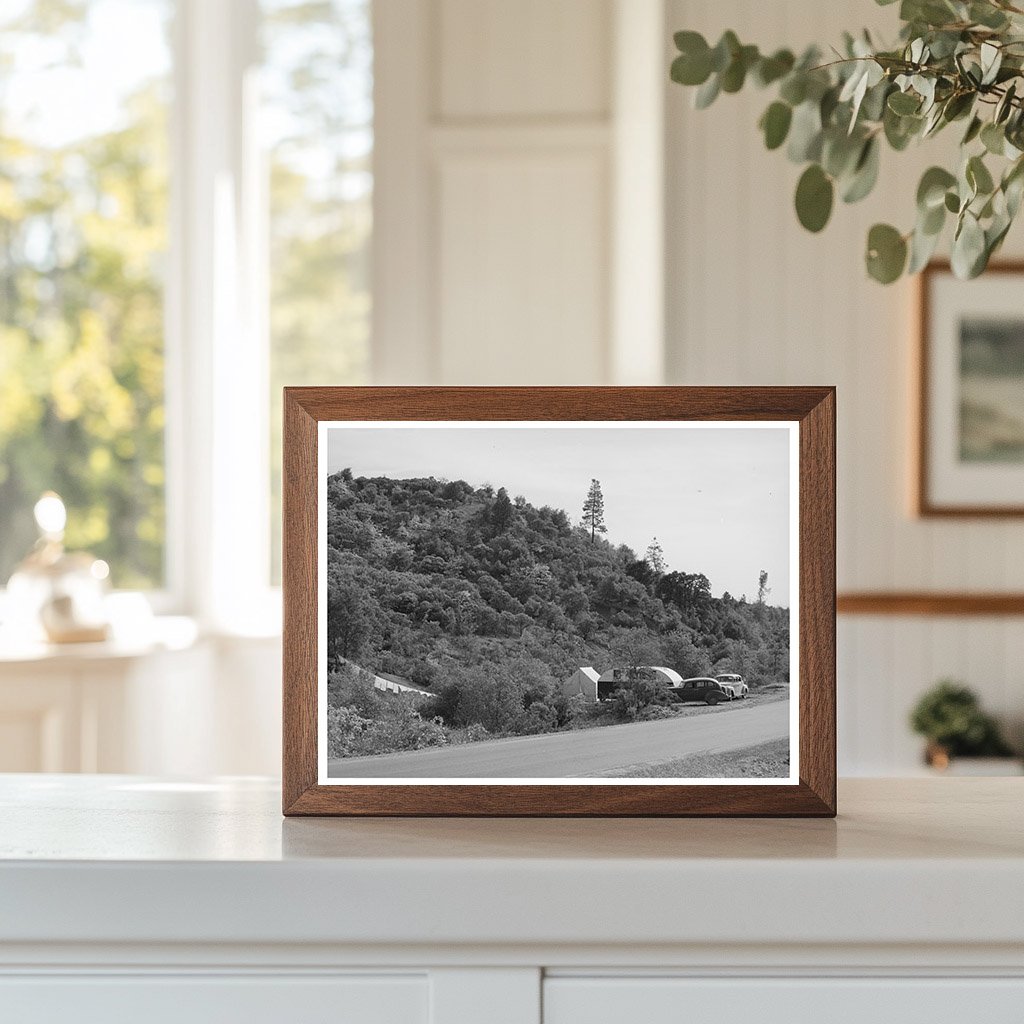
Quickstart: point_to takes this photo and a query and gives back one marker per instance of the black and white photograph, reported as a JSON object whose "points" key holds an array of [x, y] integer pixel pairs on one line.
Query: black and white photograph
{"points": [[539, 602]]}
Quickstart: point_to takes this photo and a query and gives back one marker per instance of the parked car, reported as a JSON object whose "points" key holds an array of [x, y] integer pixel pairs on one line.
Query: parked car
{"points": [[735, 683], [702, 689]]}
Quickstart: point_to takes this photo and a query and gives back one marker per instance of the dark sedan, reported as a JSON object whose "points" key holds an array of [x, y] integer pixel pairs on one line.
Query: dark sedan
{"points": [[701, 690]]}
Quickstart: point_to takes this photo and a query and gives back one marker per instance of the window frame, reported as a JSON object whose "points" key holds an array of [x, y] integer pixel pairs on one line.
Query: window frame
{"points": [[215, 320]]}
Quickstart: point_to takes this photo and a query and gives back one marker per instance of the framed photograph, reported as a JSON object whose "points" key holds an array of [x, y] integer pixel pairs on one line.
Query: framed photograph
{"points": [[559, 601], [971, 393]]}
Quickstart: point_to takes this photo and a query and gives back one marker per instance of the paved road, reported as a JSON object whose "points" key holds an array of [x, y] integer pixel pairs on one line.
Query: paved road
{"points": [[583, 753]]}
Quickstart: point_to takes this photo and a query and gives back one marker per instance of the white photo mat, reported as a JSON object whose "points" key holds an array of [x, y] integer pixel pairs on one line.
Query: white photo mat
{"points": [[792, 428]]}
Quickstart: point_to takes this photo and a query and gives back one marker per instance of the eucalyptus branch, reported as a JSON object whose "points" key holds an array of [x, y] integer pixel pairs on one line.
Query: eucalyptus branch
{"points": [[955, 61]]}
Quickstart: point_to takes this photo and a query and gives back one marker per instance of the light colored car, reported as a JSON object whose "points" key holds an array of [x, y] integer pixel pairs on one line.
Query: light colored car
{"points": [[735, 683]]}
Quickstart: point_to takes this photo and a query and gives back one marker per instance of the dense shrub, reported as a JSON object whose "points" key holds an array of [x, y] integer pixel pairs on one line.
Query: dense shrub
{"points": [[361, 720]]}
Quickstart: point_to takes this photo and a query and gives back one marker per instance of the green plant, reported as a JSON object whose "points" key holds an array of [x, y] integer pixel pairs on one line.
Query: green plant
{"points": [[956, 61], [950, 717]]}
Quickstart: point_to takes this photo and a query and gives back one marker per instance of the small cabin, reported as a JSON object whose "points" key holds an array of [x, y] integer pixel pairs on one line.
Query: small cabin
{"points": [[616, 678]]}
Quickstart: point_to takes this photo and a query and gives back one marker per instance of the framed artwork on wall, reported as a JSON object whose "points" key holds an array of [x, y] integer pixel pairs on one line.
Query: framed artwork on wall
{"points": [[559, 601], [970, 450]]}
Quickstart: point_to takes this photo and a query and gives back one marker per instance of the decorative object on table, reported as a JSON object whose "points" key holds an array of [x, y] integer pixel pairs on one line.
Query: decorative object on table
{"points": [[970, 451], [477, 581], [60, 594], [956, 62], [950, 718]]}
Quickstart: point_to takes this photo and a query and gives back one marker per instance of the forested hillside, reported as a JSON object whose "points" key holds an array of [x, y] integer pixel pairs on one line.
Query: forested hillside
{"points": [[489, 601]]}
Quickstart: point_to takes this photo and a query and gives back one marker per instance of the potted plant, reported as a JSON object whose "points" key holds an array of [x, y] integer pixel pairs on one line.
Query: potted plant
{"points": [[956, 62], [950, 718]]}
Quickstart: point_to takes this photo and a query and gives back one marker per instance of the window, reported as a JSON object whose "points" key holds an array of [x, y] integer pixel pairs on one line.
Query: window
{"points": [[83, 235], [185, 222]]}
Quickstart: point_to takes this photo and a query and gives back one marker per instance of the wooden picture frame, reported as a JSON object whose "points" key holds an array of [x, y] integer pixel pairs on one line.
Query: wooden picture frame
{"points": [[809, 415], [941, 489]]}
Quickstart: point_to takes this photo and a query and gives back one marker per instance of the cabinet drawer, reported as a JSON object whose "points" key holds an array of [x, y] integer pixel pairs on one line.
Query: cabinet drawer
{"points": [[202, 999], [674, 1000]]}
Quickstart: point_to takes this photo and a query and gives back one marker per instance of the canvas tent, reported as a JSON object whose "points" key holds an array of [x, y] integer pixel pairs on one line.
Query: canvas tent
{"points": [[583, 680]]}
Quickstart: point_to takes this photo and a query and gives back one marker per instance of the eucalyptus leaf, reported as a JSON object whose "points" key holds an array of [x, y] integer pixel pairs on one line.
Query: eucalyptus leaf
{"points": [[922, 247], [865, 173], [932, 221], [900, 130], [991, 60], [968, 254], [1005, 105], [933, 122], [978, 176], [931, 190], [707, 93], [814, 195], [735, 74], [775, 124], [993, 138], [805, 133], [904, 103], [886, 253], [987, 15], [873, 106], [771, 69], [973, 130], [957, 106], [840, 152], [794, 88], [725, 50], [689, 70]]}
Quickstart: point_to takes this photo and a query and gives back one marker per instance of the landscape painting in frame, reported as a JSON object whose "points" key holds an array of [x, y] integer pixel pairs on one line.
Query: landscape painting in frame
{"points": [[555, 602], [972, 393]]}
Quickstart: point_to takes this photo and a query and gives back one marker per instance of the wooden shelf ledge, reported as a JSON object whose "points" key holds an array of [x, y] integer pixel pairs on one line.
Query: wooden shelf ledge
{"points": [[928, 603]]}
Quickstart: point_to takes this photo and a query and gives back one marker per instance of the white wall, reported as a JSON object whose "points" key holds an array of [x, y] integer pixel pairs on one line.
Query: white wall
{"points": [[501, 152], [754, 299], [519, 241]]}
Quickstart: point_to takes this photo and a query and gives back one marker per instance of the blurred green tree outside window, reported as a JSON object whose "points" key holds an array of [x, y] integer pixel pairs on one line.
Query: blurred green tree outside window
{"points": [[317, 118], [84, 211], [83, 236]]}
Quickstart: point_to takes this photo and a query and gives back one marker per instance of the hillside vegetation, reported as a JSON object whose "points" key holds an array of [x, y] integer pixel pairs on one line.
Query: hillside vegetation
{"points": [[489, 602]]}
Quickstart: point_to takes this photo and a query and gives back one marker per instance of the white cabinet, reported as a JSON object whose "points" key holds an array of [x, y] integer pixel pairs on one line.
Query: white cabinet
{"points": [[830, 1000], [133, 899], [216, 1000]]}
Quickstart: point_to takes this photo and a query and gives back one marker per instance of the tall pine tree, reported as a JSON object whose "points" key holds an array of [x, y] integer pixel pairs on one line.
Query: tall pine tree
{"points": [[593, 510], [655, 558]]}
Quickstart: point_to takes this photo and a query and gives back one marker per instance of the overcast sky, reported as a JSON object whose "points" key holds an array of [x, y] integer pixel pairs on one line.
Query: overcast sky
{"points": [[716, 498]]}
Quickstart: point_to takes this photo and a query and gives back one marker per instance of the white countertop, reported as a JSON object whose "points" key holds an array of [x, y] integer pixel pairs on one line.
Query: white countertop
{"points": [[121, 859]]}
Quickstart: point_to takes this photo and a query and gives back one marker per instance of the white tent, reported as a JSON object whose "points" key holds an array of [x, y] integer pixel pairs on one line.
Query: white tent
{"points": [[583, 680]]}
